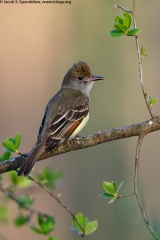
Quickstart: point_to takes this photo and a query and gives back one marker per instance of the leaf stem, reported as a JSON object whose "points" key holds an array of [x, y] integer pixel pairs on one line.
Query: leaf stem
{"points": [[124, 9], [125, 196]]}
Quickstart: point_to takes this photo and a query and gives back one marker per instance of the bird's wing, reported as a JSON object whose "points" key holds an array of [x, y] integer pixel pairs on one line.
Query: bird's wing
{"points": [[60, 129], [64, 124], [42, 123]]}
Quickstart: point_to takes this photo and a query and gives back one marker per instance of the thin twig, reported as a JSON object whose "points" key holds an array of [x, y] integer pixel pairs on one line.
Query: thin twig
{"points": [[141, 135], [139, 55], [140, 62], [125, 196], [124, 9], [138, 147], [60, 203], [140, 139], [137, 158], [13, 197]]}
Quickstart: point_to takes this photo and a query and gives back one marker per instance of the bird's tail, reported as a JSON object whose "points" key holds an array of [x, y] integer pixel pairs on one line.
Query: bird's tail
{"points": [[31, 159]]}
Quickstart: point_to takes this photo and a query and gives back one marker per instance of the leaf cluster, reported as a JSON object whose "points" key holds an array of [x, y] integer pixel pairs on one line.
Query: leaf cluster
{"points": [[152, 100], [48, 177], [111, 191], [122, 26], [82, 225], [46, 225], [12, 144]]}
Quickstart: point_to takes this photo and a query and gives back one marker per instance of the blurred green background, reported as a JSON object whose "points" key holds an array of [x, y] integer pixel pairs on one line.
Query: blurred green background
{"points": [[38, 43]]}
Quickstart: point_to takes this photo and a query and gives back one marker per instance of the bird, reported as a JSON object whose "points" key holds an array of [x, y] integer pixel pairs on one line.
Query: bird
{"points": [[65, 115]]}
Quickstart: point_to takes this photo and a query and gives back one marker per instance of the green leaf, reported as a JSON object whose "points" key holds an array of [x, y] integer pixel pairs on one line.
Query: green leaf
{"points": [[48, 177], [17, 140], [106, 195], [9, 145], [157, 236], [91, 227], [88, 226], [46, 223], [37, 230], [121, 27], [152, 101], [6, 155], [17, 181], [4, 212], [116, 33], [81, 219], [1, 177], [111, 192], [25, 201], [41, 219], [21, 220], [76, 231], [119, 20], [51, 238], [127, 20], [143, 52], [123, 24], [109, 187], [13, 177], [133, 32], [12, 143]]}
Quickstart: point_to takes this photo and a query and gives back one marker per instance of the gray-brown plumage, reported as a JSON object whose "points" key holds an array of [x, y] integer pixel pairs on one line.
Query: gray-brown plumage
{"points": [[65, 115]]}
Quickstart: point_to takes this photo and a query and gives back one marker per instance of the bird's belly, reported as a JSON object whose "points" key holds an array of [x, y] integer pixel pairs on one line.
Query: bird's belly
{"points": [[79, 128]]}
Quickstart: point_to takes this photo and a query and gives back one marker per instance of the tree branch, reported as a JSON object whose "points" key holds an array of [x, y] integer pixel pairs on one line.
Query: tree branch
{"points": [[139, 56], [124, 9], [137, 129], [137, 158], [140, 63], [13, 197], [59, 202]]}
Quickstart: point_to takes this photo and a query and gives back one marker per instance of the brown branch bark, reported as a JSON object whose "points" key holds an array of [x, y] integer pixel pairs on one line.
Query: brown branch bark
{"points": [[137, 129]]}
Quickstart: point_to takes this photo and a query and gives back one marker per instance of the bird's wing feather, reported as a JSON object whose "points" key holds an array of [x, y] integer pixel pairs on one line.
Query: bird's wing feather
{"points": [[61, 128], [64, 124], [31, 159], [42, 123]]}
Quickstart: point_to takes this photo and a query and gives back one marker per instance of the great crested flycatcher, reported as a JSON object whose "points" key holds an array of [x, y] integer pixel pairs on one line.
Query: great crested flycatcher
{"points": [[65, 115]]}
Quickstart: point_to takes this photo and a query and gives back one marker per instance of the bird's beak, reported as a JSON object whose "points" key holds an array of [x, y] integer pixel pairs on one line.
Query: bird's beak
{"points": [[95, 78]]}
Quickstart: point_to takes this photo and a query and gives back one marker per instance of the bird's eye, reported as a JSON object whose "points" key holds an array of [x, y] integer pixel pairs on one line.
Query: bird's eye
{"points": [[80, 78]]}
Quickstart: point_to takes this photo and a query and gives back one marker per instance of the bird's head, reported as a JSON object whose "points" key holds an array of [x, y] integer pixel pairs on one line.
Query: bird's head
{"points": [[79, 77]]}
